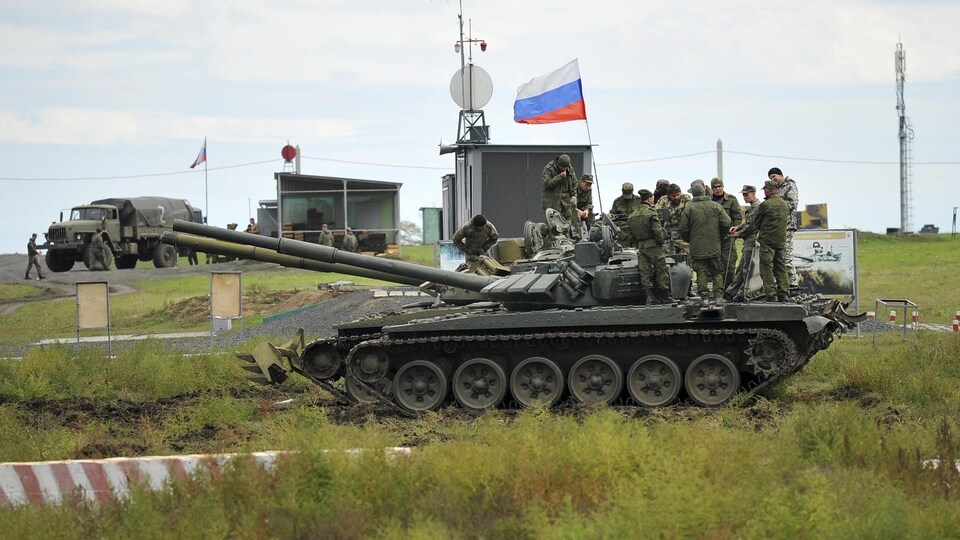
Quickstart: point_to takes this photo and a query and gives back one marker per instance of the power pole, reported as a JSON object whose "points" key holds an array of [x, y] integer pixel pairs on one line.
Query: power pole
{"points": [[906, 135]]}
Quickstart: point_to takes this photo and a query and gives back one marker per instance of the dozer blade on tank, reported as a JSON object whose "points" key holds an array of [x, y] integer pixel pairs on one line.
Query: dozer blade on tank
{"points": [[569, 322]]}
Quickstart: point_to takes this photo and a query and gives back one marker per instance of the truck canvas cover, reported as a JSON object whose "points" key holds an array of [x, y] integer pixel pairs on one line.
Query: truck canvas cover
{"points": [[150, 211]]}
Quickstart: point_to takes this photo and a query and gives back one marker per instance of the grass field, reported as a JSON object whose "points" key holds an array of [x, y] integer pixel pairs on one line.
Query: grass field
{"points": [[835, 451]]}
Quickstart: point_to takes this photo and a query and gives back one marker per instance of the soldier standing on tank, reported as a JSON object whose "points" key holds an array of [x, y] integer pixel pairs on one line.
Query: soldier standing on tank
{"points": [[559, 193], [475, 238], [674, 201], [728, 257], [770, 222], [703, 223], [661, 189], [326, 236], [350, 241], [33, 257], [645, 227], [742, 273], [626, 203], [585, 201], [791, 196]]}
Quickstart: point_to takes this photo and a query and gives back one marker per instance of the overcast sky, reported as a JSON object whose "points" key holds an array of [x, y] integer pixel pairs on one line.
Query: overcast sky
{"points": [[113, 98]]}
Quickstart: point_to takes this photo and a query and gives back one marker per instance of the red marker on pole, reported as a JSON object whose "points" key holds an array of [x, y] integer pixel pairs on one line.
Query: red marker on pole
{"points": [[893, 316]]}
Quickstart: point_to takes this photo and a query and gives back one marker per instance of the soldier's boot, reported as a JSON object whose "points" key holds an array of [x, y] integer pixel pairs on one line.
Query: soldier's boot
{"points": [[771, 298], [666, 298], [782, 297], [651, 298]]}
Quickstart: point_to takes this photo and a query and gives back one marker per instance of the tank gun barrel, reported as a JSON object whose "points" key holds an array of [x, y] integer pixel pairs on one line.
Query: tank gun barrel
{"points": [[220, 247], [350, 262]]}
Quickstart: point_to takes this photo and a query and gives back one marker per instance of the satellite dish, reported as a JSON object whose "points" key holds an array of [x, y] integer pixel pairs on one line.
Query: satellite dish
{"points": [[471, 88]]}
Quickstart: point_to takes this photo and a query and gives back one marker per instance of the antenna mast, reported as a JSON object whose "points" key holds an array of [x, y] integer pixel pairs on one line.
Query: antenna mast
{"points": [[906, 136]]}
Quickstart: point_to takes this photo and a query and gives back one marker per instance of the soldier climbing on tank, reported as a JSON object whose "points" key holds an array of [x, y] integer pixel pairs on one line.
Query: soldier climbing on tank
{"points": [[559, 193], [475, 238], [645, 227], [33, 257], [770, 222], [326, 236], [703, 223]]}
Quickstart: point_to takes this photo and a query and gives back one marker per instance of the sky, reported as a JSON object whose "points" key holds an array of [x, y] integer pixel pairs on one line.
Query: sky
{"points": [[113, 98]]}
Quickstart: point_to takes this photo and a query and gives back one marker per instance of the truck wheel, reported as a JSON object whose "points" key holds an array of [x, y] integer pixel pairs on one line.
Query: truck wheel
{"points": [[164, 256], [126, 262], [57, 261], [88, 258]]}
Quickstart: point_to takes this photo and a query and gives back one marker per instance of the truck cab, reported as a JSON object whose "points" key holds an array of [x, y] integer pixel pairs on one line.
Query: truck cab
{"points": [[67, 241]]}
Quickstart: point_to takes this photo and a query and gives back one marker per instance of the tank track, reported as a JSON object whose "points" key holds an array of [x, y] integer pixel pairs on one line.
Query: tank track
{"points": [[771, 354]]}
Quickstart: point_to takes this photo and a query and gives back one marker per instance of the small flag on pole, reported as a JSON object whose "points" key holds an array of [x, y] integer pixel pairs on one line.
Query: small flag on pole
{"points": [[202, 156], [554, 97]]}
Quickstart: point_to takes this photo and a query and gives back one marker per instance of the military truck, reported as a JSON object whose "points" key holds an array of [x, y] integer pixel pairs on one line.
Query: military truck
{"points": [[132, 230]]}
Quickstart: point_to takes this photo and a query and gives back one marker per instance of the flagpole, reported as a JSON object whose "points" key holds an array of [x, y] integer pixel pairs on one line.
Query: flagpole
{"points": [[596, 179], [206, 186]]}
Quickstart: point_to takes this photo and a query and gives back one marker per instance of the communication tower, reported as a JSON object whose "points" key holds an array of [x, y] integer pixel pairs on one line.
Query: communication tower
{"points": [[471, 89], [906, 136]]}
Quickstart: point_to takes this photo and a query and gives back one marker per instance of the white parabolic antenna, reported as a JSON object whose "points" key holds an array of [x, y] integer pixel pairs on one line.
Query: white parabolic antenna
{"points": [[471, 88]]}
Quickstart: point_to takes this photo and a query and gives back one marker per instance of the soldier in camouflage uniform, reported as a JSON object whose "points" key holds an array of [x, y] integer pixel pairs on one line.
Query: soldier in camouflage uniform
{"points": [[728, 257], [769, 221], [33, 257], [791, 196], [626, 203], [585, 201], [559, 191], [98, 252], [674, 201], [645, 227], [350, 242], [749, 237], [326, 236], [475, 238], [703, 223]]}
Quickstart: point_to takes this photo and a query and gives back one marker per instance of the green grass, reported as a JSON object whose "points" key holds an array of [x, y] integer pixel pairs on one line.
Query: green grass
{"points": [[17, 291]]}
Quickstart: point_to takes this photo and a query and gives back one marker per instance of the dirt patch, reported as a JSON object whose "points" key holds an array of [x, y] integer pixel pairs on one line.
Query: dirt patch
{"points": [[255, 302]]}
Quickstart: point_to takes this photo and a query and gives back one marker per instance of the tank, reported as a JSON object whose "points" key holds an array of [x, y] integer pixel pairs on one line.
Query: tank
{"points": [[565, 323]]}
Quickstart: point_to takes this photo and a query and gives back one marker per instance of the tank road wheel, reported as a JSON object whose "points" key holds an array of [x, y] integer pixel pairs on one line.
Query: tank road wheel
{"points": [[362, 395], [479, 384], [164, 256], [595, 379], [420, 386], [323, 362], [711, 380], [370, 364], [536, 380], [654, 381]]}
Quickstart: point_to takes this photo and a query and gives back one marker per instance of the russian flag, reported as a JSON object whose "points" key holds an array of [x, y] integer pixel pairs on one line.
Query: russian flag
{"points": [[202, 156], [554, 97]]}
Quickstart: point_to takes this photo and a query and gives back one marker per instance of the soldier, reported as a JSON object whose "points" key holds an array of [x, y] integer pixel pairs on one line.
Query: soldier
{"points": [[791, 196], [645, 227], [33, 257], [475, 238], [703, 223], [559, 191], [661, 189], [770, 222], [585, 200], [749, 237], [326, 236], [350, 241], [98, 252], [675, 202], [253, 228], [626, 203], [728, 258]]}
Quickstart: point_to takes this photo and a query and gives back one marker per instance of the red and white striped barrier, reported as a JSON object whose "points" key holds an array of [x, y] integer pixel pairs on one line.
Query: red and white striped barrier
{"points": [[107, 480]]}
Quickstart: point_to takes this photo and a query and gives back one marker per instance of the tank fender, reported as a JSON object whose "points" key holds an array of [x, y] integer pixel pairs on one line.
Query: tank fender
{"points": [[816, 323]]}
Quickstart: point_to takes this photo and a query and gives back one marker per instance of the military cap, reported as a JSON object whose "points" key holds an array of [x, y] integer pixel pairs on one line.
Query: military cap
{"points": [[770, 184], [673, 189], [698, 182], [748, 189], [627, 186], [663, 182], [775, 170], [564, 160], [716, 182], [588, 178], [697, 189], [644, 194]]}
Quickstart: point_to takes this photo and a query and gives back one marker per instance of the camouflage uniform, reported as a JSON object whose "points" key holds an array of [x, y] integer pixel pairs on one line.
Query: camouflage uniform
{"points": [[748, 234], [326, 236], [33, 258], [645, 227], [770, 222], [349, 241], [790, 195], [675, 211], [558, 191], [97, 253], [475, 241], [626, 205], [585, 202], [703, 223], [728, 257]]}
